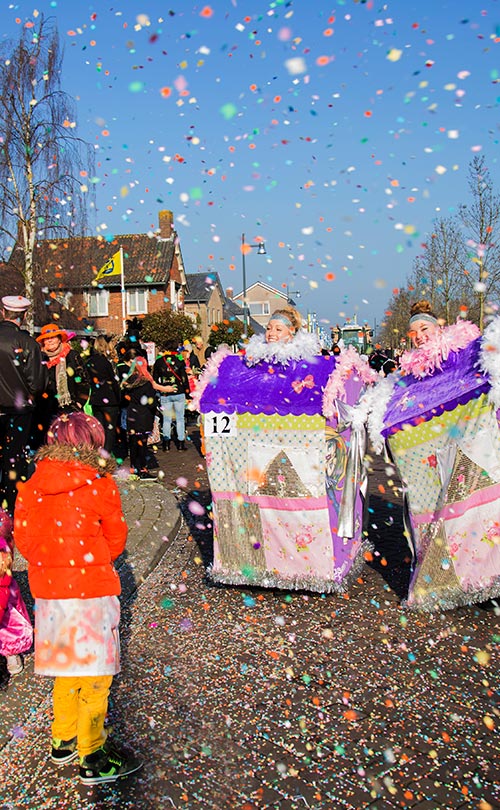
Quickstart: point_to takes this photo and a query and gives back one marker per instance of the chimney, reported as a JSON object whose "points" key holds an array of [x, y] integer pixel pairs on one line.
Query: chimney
{"points": [[166, 220], [229, 293]]}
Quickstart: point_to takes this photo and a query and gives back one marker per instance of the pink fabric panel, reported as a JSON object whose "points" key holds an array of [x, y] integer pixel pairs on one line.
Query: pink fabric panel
{"points": [[474, 545], [298, 543]]}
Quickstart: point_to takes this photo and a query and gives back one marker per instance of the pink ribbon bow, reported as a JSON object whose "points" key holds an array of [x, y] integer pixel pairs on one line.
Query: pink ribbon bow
{"points": [[299, 385]]}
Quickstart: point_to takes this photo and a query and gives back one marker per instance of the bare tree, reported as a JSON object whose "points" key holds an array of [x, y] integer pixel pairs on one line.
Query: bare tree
{"points": [[481, 221], [394, 328], [43, 164], [439, 273]]}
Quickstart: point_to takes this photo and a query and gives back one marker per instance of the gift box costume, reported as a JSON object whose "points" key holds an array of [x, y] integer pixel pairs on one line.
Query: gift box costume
{"points": [[286, 474], [439, 422]]}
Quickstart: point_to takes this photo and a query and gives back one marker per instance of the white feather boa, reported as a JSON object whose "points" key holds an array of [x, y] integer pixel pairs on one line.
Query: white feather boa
{"points": [[489, 359], [371, 408], [304, 346]]}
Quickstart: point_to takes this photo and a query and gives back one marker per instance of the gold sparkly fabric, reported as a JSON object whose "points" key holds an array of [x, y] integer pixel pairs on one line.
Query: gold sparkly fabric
{"points": [[239, 533], [281, 479]]}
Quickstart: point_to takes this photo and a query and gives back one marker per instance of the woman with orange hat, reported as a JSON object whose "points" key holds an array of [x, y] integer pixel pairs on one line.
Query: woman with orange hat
{"points": [[68, 386]]}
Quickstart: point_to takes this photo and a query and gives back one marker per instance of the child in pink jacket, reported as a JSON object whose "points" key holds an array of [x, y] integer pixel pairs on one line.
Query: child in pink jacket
{"points": [[16, 632]]}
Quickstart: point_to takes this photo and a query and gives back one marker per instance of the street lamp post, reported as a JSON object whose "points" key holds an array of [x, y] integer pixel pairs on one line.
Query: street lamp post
{"points": [[291, 292], [246, 248]]}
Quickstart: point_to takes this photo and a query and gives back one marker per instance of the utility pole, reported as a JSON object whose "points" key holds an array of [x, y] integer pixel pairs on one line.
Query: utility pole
{"points": [[246, 248]]}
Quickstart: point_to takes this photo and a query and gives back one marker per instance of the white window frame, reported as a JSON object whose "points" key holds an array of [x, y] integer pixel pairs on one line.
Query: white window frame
{"points": [[253, 305], [133, 305], [98, 303]]}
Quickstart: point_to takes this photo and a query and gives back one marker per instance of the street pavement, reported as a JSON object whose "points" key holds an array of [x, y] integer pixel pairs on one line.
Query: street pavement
{"points": [[249, 699]]}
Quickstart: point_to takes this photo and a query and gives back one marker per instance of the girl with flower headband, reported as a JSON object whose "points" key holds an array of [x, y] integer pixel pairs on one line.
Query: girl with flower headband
{"points": [[438, 419], [283, 459]]}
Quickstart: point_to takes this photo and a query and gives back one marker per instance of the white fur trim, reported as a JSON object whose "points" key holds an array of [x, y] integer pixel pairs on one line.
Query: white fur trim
{"points": [[490, 359], [304, 346], [373, 404]]}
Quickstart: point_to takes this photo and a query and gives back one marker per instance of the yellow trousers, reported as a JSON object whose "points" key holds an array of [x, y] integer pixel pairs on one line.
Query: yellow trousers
{"points": [[80, 707]]}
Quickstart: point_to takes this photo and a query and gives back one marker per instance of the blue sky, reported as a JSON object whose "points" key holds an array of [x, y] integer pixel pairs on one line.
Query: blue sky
{"points": [[337, 132]]}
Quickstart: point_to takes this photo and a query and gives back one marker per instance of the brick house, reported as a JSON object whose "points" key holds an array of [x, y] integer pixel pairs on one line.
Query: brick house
{"points": [[65, 272], [262, 301], [207, 304]]}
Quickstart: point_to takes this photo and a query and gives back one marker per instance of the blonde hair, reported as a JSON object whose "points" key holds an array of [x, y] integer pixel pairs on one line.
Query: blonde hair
{"points": [[422, 307], [112, 350], [290, 315], [101, 345]]}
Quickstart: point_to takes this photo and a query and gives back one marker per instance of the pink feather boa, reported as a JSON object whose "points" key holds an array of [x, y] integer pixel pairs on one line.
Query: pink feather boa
{"points": [[348, 363], [210, 371], [429, 357]]}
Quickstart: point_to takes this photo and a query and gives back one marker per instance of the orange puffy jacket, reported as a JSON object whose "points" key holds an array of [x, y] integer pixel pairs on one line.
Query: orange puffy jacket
{"points": [[69, 525]]}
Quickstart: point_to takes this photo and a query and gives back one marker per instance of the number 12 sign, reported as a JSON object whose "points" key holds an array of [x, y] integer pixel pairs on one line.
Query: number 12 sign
{"points": [[219, 424]]}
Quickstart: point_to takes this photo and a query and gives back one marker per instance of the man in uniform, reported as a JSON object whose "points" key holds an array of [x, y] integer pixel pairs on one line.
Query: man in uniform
{"points": [[22, 377]]}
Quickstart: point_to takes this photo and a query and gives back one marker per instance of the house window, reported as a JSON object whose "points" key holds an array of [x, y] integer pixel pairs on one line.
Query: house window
{"points": [[98, 303], [137, 302], [258, 307]]}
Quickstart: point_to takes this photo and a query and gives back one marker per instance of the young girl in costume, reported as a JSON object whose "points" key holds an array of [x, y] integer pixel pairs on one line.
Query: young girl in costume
{"points": [[284, 461], [16, 632], [69, 525], [438, 419]]}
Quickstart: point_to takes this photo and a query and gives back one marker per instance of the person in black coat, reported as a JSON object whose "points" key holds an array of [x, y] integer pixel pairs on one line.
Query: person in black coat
{"points": [[169, 372], [381, 362], [105, 391], [141, 401], [23, 378]]}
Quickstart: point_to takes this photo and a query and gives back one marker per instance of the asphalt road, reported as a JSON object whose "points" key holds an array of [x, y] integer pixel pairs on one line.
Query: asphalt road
{"points": [[249, 698]]}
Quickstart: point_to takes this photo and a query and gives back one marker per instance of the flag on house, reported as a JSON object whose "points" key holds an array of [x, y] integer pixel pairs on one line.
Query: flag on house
{"points": [[113, 267]]}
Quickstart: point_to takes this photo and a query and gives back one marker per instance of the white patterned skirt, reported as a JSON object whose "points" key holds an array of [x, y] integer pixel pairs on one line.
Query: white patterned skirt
{"points": [[77, 637]]}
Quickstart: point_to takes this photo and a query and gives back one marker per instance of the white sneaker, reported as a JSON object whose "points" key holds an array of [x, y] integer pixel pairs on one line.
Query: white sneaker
{"points": [[15, 664]]}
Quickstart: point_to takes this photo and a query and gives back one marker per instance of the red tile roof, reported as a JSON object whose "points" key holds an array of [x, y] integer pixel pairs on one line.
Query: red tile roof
{"points": [[73, 263]]}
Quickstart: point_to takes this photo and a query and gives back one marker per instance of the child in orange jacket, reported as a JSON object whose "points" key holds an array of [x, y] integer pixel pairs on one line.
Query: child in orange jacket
{"points": [[69, 525]]}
